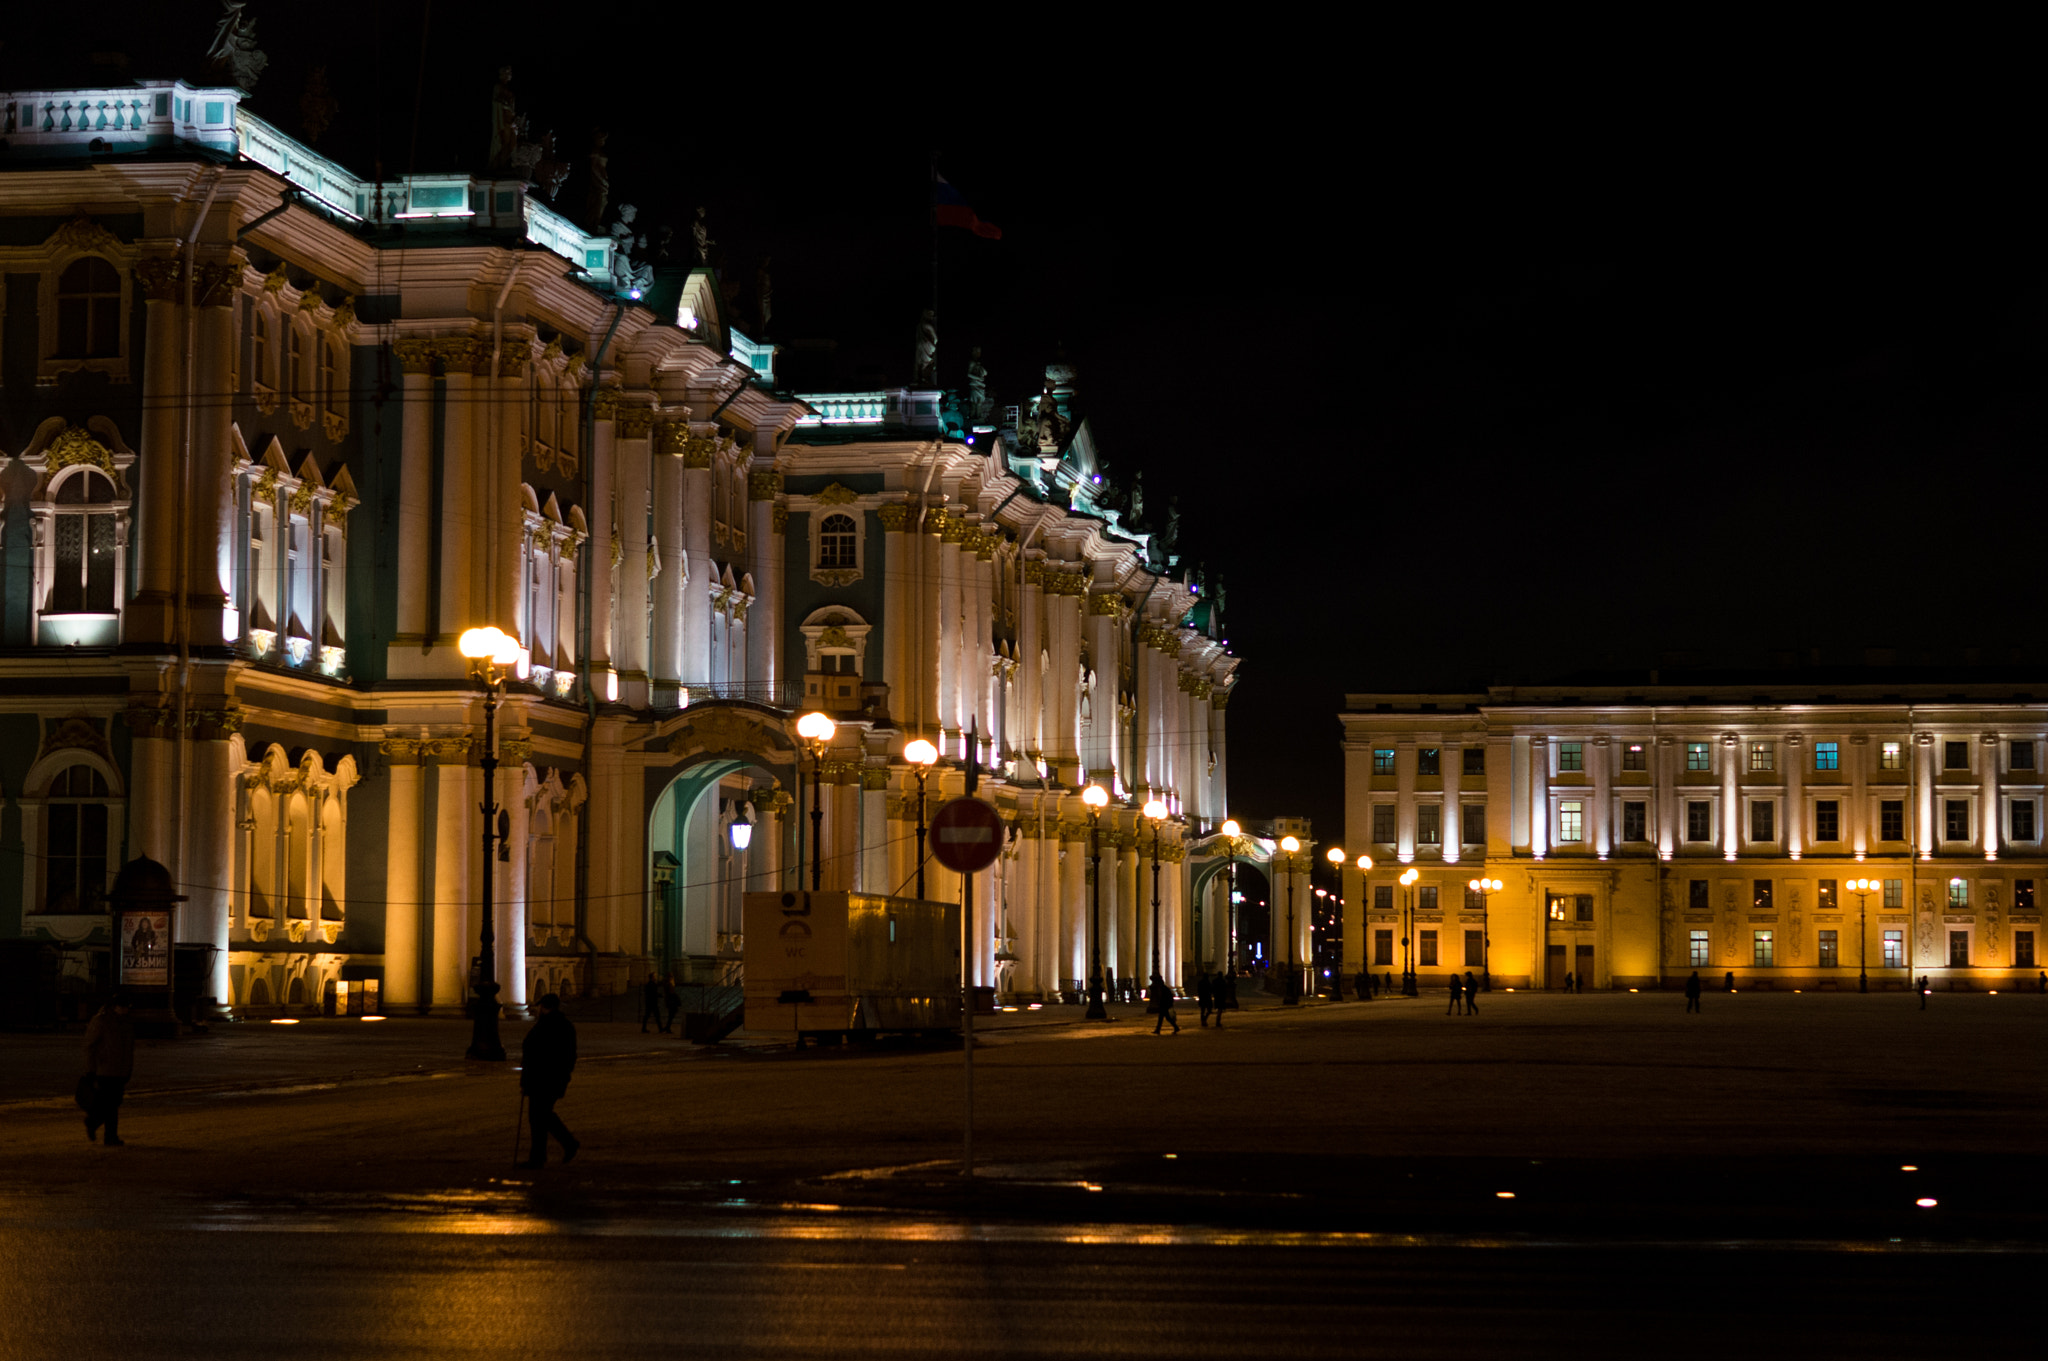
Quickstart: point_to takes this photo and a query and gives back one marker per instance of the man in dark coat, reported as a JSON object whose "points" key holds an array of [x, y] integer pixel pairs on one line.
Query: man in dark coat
{"points": [[1692, 991], [548, 1056], [671, 1002], [1205, 995], [1161, 997], [650, 1002], [109, 1062], [1471, 994]]}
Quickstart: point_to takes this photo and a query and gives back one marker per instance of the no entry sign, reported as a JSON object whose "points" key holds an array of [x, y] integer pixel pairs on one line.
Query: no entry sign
{"points": [[967, 834]]}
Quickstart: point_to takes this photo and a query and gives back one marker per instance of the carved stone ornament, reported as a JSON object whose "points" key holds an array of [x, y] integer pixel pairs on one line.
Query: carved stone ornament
{"points": [[78, 446], [671, 437], [462, 354], [334, 425], [414, 356], [515, 751], [780, 519], [159, 276], [275, 281], [400, 750], [635, 422], [82, 235], [894, 516], [838, 578], [604, 402], [720, 731], [77, 733], [837, 495], [302, 500], [763, 486], [698, 452]]}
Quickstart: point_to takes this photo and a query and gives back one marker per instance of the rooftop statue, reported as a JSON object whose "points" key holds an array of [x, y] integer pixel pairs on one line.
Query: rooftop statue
{"points": [[628, 276], [977, 386], [550, 171], [925, 363], [700, 233], [764, 293], [234, 55], [1052, 427], [504, 121], [599, 190]]}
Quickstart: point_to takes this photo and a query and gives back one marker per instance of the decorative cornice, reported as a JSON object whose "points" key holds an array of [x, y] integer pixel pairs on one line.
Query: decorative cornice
{"points": [[837, 494], [78, 446], [462, 354], [82, 235]]}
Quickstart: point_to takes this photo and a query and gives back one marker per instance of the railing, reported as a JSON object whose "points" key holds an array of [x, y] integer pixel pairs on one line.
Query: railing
{"points": [[778, 695], [847, 408], [121, 118]]}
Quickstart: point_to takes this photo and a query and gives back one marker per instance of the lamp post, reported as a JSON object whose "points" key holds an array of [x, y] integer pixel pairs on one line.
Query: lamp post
{"points": [[1155, 812], [1292, 996], [1335, 855], [740, 834], [1097, 798], [491, 653], [1863, 888], [816, 730], [1230, 832], [1485, 888], [1408, 932], [921, 755], [1364, 868]]}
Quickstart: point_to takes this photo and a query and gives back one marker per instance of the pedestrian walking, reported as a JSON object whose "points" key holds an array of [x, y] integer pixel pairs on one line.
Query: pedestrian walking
{"points": [[1387, 983], [1924, 990], [1457, 995], [547, 1056], [1471, 995], [1568, 983], [1729, 982], [650, 1002], [2044, 980], [1692, 992], [1226, 995], [671, 1002], [109, 1062], [1161, 998], [1205, 996]]}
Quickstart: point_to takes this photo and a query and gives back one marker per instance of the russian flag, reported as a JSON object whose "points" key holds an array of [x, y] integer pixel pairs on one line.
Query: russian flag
{"points": [[950, 210]]}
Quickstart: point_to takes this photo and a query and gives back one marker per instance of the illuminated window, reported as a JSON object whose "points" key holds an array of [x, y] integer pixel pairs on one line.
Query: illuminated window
{"points": [[1697, 756], [1894, 893], [1427, 949], [1475, 760], [1634, 757], [75, 841], [1766, 950], [2023, 895], [835, 542], [1891, 820], [1383, 897], [1472, 824], [1827, 756], [1761, 757], [89, 310], [1701, 954], [1571, 817], [1827, 949], [1429, 761], [1382, 760], [1959, 949], [2023, 820], [1763, 817], [1895, 949], [85, 536], [1956, 819], [2023, 949], [1425, 898], [1383, 947], [1761, 894], [1635, 821], [1429, 825], [1955, 755], [1696, 899], [1828, 897], [1959, 893], [1892, 756], [2023, 756], [1383, 823], [1571, 756], [1475, 949], [1555, 904], [1699, 820], [1827, 820]]}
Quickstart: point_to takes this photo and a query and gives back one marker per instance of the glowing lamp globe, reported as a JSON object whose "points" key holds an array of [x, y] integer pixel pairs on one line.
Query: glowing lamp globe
{"points": [[1095, 796], [1290, 844], [1231, 829], [816, 727], [1411, 876], [741, 831], [1155, 809], [920, 753], [1364, 863], [492, 644], [1335, 855]]}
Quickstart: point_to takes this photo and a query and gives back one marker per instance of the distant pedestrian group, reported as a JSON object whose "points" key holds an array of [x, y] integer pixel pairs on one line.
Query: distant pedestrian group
{"points": [[1464, 995]]}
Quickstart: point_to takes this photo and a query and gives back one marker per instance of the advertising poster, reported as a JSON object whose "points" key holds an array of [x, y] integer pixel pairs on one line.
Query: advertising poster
{"points": [[145, 941]]}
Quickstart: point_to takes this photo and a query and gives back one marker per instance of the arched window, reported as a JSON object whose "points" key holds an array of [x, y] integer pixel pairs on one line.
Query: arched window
{"points": [[835, 542], [84, 568], [89, 310], [295, 370], [75, 841], [261, 376]]}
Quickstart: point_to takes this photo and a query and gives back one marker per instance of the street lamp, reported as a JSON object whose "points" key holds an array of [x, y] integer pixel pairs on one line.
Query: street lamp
{"points": [[922, 755], [1335, 855], [1292, 997], [1863, 888], [1408, 932], [491, 653], [1097, 798], [816, 730], [1485, 888], [1231, 831], [1155, 811]]}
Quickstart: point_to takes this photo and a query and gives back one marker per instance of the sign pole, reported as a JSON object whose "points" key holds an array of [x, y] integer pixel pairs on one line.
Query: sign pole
{"points": [[969, 955]]}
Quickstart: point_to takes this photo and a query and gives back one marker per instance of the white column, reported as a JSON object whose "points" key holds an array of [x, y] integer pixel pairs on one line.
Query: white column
{"points": [[666, 665], [509, 886], [1923, 756], [1539, 796], [629, 626], [1603, 796], [1991, 821], [1795, 794], [1030, 650], [764, 553], [453, 796], [951, 723], [597, 560], [1451, 761], [462, 524], [1731, 795], [402, 874], [1064, 624], [209, 846], [696, 541]]}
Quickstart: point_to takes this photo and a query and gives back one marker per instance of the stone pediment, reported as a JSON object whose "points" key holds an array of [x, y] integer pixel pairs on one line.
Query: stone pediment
{"points": [[734, 730]]}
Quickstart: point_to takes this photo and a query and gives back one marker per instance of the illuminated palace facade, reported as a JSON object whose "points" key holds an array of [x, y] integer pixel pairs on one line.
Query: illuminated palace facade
{"points": [[1808, 837], [276, 435]]}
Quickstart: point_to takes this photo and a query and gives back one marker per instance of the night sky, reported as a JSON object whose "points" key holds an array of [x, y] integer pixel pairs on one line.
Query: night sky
{"points": [[1470, 356]]}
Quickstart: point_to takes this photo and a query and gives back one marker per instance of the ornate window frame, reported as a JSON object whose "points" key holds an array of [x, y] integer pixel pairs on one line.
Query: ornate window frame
{"points": [[77, 741], [835, 499], [69, 244], [835, 631], [53, 455]]}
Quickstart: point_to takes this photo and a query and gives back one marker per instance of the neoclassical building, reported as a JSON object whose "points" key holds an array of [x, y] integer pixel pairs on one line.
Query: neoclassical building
{"points": [[1644, 831], [276, 435]]}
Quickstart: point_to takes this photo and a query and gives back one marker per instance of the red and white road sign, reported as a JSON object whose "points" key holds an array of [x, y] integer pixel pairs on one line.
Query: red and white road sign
{"points": [[967, 835]]}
